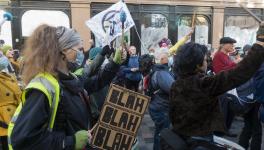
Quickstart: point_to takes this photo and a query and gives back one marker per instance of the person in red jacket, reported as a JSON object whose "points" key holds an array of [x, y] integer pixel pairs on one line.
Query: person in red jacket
{"points": [[221, 60]]}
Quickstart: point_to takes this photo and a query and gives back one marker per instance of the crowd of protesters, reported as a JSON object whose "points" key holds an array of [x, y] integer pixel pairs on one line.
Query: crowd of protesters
{"points": [[194, 92]]}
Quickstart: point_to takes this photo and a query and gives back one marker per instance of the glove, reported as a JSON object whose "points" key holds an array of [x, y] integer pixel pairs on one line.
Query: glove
{"points": [[107, 50], [81, 139], [118, 57]]}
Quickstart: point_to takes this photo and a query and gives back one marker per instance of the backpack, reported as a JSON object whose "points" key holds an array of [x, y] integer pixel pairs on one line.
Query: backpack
{"points": [[10, 93], [148, 88]]}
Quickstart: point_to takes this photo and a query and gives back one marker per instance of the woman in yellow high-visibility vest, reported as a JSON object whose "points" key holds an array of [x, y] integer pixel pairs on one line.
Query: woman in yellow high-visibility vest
{"points": [[54, 113]]}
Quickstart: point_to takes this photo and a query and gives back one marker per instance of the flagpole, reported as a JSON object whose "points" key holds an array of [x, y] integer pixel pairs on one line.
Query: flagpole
{"points": [[193, 19], [143, 45]]}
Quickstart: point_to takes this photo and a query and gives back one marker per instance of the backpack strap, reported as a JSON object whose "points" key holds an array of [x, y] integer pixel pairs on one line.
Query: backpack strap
{"points": [[150, 91], [147, 84]]}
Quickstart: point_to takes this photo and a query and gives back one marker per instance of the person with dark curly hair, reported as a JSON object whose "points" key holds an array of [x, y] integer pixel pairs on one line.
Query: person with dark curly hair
{"points": [[194, 107]]}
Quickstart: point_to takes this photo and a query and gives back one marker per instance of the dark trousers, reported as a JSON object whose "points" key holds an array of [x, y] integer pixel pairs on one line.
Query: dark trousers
{"points": [[132, 85], [252, 130], [230, 107], [161, 120]]}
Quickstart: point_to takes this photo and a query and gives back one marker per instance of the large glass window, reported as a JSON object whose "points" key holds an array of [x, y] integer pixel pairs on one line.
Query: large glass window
{"points": [[241, 28], [201, 28], [154, 27], [5, 31], [33, 18]]}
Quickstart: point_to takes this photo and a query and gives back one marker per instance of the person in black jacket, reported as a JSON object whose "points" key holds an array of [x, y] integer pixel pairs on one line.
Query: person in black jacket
{"points": [[73, 118]]}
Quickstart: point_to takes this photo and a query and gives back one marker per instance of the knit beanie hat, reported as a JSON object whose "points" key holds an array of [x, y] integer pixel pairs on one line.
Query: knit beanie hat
{"points": [[93, 52], [67, 37], [5, 48], [260, 33]]}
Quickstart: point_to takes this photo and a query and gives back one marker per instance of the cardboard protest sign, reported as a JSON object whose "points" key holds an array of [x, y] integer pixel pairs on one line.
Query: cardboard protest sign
{"points": [[120, 119]]}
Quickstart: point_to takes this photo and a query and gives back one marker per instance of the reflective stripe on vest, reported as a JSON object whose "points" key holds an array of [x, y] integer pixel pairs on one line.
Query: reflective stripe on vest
{"points": [[49, 86]]}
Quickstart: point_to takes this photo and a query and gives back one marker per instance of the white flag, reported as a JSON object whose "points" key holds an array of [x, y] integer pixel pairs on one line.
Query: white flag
{"points": [[106, 25]]}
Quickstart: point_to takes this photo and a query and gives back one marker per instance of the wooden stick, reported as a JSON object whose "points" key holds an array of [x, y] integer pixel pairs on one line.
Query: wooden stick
{"points": [[193, 19], [123, 36], [94, 127]]}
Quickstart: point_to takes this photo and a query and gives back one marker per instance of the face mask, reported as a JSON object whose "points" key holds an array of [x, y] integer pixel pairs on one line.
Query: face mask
{"points": [[73, 66], [79, 58], [3, 62]]}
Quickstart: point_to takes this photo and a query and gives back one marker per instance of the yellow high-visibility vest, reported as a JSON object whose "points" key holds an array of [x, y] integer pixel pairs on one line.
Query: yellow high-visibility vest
{"points": [[49, 86]]}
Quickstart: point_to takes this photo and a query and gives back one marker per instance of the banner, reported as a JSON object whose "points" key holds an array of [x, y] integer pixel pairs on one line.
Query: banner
{"points": [[106, 26], [120, 119]]}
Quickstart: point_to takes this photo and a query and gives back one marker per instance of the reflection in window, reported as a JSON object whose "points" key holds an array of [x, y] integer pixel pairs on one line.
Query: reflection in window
{"points": [[241, 28], [154, 28], [201, 28], [5, 33], [33, 18]]}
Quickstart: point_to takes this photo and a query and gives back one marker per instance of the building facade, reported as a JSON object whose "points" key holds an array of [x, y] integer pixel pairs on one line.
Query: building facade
{"points": [[153, 18]]}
